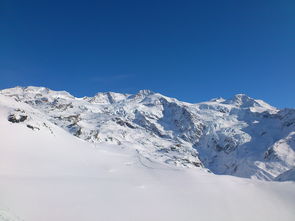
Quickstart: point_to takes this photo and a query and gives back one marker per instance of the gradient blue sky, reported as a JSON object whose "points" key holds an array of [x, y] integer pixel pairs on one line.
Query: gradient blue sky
{"points": [[191, 50]]}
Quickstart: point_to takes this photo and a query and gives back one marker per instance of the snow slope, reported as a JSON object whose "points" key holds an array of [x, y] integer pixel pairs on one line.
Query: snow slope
{"points": [[289, 175], [240, 136], [47, 174]]}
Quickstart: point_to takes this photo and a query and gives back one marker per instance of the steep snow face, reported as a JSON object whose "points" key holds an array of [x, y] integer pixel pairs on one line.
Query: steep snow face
{"points": [[239, 136], [47, 174]]}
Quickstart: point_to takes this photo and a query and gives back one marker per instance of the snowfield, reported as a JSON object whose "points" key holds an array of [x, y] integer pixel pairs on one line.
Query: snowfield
{"points": [[48, 174]]}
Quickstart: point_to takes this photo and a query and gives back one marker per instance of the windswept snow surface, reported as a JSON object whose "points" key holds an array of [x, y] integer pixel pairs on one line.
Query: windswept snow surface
{"points": [[50, 175]]}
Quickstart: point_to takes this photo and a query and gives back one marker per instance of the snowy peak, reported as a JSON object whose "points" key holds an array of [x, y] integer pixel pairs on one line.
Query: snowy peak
{"points": [[107, 98], [241, 100], [35, 92], [142, 94], [145, 92], [244, 101]]}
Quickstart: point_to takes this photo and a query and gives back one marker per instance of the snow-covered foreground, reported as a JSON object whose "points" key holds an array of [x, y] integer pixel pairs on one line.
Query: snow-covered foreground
{"points": [[50, 175]]}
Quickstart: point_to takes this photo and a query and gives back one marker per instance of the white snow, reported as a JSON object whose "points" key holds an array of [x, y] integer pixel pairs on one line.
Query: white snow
{"points": [[47, 174]]}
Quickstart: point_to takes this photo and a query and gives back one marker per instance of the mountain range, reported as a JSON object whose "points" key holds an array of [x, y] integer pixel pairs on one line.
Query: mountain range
{"points": [[240, 136]]}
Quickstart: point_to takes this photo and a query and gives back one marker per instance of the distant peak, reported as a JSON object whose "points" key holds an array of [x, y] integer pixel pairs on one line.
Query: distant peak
{"points": [[108, 93], [236, 99], [242, 96], [142, 94], [33, 90], [29, 89], [218, 99], [145, 92], [239, 99], [244, 101], [108, 97], [36, 89]]}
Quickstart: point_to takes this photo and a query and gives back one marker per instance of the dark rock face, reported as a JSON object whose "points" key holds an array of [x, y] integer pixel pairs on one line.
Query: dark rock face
{"points": [[17, 119], [32, 127], [123, 123]]}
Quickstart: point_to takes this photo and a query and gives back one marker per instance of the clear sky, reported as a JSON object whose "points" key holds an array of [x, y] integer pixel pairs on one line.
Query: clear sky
{"points": [[191, 50]]}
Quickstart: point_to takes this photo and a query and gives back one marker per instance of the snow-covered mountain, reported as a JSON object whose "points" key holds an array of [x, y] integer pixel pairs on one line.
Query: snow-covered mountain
{"points": [[141, 157], [240, 136]]}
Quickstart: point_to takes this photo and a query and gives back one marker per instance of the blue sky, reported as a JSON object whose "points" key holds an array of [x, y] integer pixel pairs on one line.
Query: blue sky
{"points": [[191, 50]]}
